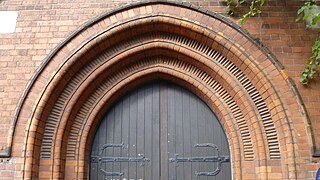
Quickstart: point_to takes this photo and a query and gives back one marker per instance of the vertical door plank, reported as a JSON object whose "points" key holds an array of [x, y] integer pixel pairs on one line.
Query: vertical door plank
{"points": [[187, 146], [216, 129], [155, 132], [171, 132], [108, 152], [202, 137], [125, 135], [148, 131], [194, 133], [211, 136], [132, 146], [102, 141], [94, 171], [164, 132], [179, 130], [141, 132], [117, 135]]}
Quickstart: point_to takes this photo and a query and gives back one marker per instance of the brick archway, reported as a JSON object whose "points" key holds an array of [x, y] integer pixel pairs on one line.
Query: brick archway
{"points": [[202, 51]]}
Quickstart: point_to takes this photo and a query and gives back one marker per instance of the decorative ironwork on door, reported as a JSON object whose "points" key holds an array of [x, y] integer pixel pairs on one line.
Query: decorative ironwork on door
{"points": [[218, 159], [100, 159]]}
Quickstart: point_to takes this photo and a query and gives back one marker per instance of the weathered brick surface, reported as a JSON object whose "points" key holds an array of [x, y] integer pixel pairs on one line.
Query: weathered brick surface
{"points": [[44, 24]]}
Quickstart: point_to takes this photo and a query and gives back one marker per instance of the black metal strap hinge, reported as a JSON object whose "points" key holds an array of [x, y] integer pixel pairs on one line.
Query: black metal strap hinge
{"points": [[100, 159], [217, 159]]}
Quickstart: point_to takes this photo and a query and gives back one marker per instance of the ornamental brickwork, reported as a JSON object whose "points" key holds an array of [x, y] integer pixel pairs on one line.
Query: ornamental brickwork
{"points": [[69, 61]]}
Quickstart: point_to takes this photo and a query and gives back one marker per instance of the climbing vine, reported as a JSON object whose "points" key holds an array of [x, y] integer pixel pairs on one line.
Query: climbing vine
{"points": [[308, 12], [254, 9]]}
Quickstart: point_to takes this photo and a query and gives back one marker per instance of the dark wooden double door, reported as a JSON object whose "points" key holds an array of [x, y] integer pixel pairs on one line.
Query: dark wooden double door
{"points": [[160, 131]]}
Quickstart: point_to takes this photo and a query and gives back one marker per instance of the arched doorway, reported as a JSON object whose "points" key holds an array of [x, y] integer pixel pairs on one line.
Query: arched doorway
{"points": [[160, 131], [202, 51]]}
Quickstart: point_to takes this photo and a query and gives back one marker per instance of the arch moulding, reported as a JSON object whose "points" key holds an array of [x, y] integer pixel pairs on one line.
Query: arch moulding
{"points": [[141, 42]]}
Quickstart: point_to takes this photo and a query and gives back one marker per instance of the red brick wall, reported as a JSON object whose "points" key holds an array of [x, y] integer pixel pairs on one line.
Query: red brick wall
{"points": [[42, 25]]}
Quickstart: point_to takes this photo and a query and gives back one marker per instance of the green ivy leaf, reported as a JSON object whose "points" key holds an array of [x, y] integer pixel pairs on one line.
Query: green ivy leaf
{"points": [[316, 19], [306, 16], [301, 10]]}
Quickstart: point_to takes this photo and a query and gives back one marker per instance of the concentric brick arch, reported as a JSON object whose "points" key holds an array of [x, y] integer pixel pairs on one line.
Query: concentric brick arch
{"points": [[141, 42]]}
